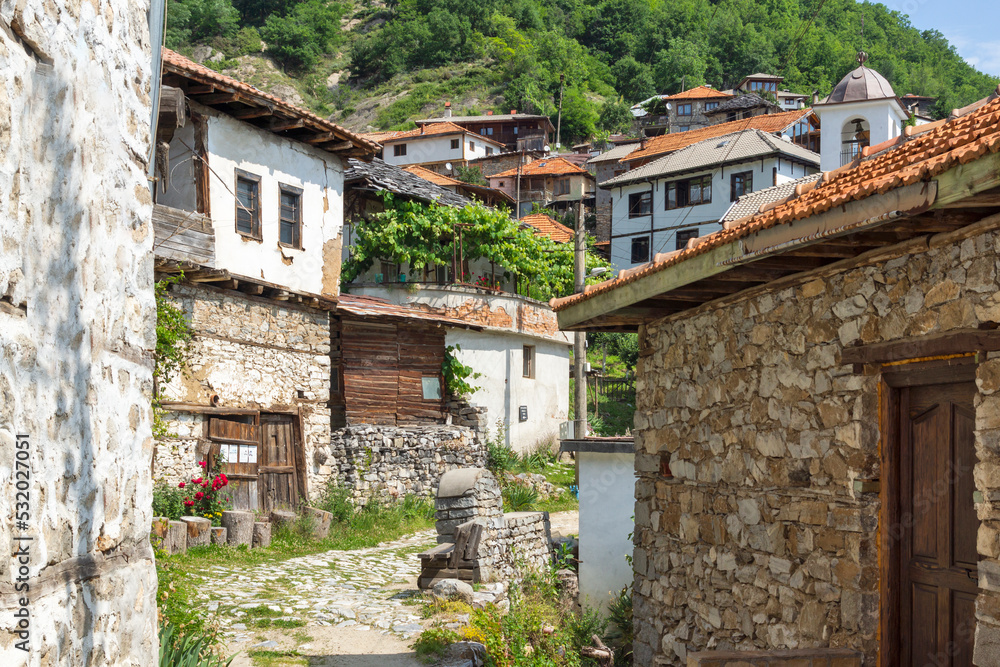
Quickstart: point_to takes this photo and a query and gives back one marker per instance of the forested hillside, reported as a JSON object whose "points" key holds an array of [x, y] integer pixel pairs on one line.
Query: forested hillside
{"points": [[372, 65]]}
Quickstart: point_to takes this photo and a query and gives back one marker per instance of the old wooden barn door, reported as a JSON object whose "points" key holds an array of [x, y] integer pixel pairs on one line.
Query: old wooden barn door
{"points": [[238, 440], [278, 477], [937, 549]]}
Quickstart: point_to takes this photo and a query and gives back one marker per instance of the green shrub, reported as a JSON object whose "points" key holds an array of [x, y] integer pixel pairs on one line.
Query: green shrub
{"points": [[434, 641], [620, 619], [499, 457], [336, 500], [517, 498], [188, 649], [168, 500], [307, 32], [584, 625]]}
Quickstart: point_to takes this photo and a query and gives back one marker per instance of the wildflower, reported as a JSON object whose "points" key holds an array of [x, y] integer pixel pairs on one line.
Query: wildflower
{"points": [[196, 481], [188, 503], [199, 495], [180, 485], [202, 463]]}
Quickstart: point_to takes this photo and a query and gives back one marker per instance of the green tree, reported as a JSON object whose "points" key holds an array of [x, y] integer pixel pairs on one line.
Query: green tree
{"points": [[579, 117], [633, 80], [678, 67], [615, 117], [299, 39], [193, 21]]}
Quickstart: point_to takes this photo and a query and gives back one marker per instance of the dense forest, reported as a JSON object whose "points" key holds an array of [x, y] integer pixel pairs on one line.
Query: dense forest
{"points": [[609, 53]]}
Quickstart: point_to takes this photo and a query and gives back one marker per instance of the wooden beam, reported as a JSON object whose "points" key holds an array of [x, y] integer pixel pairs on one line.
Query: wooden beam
{"points": [[252, 112], [217, 98], [340, 146], [199, 90], [283, 124], [968, 180], [320, 138], [984, 200], [957, 341], [250, 288]]}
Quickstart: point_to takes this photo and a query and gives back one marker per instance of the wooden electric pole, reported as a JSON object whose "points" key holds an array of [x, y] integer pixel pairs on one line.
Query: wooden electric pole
{"points": [[579, 337]]}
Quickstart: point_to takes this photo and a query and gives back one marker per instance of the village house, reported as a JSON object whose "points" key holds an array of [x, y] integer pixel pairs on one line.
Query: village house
{"points": [[77, 326], [661, 206], [520, 132], [816, 420], [606, 166], [486, 195], [664, 114], [552, 182], [249, 215], [770, 84], [746, 105], [439, 147]]}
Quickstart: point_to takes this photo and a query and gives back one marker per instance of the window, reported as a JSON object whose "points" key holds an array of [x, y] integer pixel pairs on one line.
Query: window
{"points": [[562, 187], [503, 183], [691, 192], [740, 184], [640, 204], [290, 216], [431, 387], [472, 145], [489, 150], [515, 130], [456, 144], [399, 150], [486, 131], [684, 109], [528, 361], [683, 128], [248, 204], [640, 249], [685, 235], [711, 106]]}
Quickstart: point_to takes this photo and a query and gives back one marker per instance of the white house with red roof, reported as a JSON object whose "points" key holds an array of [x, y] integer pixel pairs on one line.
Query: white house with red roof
{"points": [[439, 147]]}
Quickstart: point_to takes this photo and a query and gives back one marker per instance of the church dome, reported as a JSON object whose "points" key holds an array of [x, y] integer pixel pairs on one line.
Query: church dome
{"points": [[860, 85]]}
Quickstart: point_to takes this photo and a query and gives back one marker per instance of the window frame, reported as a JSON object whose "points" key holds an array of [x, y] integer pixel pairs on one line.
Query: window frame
{"points": [[673, 190], [528, 361], [687, 235], [255, 226], [711, 106], [639, 240], [399, 150], [637, 198], [285, 189], [746, 178], [456, 144], [561, 187], [472, 146], [688, 106]]}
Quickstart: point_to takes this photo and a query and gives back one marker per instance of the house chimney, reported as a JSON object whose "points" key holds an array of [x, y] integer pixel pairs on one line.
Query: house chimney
{"points": [[447, 109], [815, 97], [489, 113], [513, 112]]}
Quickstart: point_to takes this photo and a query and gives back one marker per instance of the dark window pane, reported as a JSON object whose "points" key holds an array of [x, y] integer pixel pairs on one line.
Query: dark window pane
{"points": [[640, 249], [290, 218], [246, 207], [684, 235]]}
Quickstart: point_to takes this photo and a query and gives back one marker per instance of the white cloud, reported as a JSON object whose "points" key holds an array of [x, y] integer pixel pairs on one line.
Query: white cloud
{"points": [[984, 56]]}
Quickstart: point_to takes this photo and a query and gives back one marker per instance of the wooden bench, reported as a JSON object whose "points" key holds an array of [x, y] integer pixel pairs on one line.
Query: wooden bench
{"points": [[452, 560]]}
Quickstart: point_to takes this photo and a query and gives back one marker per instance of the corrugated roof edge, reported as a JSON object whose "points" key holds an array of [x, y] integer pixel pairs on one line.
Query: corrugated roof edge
{"points": [[956, 151]]}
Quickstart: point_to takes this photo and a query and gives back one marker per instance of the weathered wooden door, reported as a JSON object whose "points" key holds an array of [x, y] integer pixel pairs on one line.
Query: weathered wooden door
{"points": [[238, 441], [278, 477], [938, 525]]}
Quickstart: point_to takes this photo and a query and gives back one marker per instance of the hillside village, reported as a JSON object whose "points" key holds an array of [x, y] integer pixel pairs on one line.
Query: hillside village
{"points": [[716, 389]]}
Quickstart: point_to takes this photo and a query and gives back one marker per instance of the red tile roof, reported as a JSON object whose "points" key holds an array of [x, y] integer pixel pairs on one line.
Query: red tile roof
{"points": [[433, 129], [556, 166], [376, 307], [433, 176], [178, 64], [668, 143], [920, 154], [544, 224], [699, 93]]}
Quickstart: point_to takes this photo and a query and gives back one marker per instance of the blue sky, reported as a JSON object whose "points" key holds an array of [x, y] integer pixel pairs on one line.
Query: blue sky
{"points": [[968, 24]]}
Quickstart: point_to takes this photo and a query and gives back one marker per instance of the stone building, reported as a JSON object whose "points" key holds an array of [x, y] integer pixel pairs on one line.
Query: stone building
{"points": [[249, 213], [816, 426], [76, 334], [681, 112]]}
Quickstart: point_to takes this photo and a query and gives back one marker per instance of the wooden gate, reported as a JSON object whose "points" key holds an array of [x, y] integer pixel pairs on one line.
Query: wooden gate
{"points": [[238, 443], [279, 484]]}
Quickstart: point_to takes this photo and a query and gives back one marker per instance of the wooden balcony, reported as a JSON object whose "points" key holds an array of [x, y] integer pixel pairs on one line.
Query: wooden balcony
{"points": [[183, 236]]}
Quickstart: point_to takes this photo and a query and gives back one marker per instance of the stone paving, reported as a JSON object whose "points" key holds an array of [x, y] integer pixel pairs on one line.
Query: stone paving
{"points": [[365, 589]]}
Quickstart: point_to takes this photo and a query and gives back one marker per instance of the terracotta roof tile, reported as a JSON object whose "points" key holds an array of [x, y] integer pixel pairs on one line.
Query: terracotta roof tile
{"points": [[432, 176], [699, 93], [556, 166], [544, 224], [668, 143], [178, 64], [376, 307], [920, 157]]}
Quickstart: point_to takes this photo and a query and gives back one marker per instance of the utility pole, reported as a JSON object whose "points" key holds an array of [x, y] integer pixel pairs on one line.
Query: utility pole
{"points": [[562, 81], [579, 337]]}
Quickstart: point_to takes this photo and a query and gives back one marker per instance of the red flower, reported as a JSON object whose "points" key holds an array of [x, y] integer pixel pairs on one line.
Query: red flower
{"points": [[188, 503], [199, 495], [196, 481], [202, 463], [181, 485]]}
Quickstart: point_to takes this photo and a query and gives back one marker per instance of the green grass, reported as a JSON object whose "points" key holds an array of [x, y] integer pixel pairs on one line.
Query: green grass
{"points": [[266, 658]]}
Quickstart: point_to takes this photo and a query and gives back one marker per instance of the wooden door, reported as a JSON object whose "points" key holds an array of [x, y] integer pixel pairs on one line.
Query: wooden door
{"points": [[278, 476], [938, 527], [238, 440]]}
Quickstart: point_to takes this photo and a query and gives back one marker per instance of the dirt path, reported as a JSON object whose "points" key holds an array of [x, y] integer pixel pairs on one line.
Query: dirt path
{"points": [[350, 608]]}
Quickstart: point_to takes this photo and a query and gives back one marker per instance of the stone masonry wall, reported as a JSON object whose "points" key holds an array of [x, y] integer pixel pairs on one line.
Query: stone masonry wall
{"points": [[253, 353], [760, 540], [393, 461], [77, 331]]}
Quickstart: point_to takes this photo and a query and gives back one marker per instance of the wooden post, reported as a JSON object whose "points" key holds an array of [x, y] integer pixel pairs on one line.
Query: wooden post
{"points": [[239, 527], [281, 517], [261, 534], [199, 531], [158, 532], [219, 535], [580, 338], [321, 522], [176, 542]]}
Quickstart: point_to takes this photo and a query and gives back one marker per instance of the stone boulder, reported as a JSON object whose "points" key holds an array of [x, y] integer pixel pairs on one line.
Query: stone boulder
{"points": [[464, 654], [453, 589]]}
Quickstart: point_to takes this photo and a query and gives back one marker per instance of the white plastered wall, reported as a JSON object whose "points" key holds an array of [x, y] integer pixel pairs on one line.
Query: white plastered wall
{"points": [[885, 119]]}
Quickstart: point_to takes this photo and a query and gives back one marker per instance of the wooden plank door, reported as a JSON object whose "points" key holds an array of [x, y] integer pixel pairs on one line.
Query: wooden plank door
{"points": [[278, 476], [938, 556], [238, 441]]}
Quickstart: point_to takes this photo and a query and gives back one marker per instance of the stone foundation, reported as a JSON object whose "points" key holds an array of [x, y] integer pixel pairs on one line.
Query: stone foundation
{"points": [[801, 658], [393, 461]]}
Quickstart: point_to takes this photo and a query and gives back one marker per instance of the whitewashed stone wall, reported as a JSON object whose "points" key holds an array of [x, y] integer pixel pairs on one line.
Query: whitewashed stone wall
{"points": [[252, 353], [760, 540], [391, 462], [77, 330]]}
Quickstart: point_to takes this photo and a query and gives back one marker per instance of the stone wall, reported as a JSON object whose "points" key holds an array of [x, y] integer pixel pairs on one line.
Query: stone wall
{"points": [[394, 461], [821, 657], [252, 353], [77, 330], [760, 540], [510, 542]]}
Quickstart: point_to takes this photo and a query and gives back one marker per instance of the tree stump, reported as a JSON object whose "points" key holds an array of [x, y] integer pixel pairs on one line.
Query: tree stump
{"points": [[261, 534], [320, 522], [199, 531], [218, 535], [282, 517], [176, 542], [158, 532], [239, 527]]}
